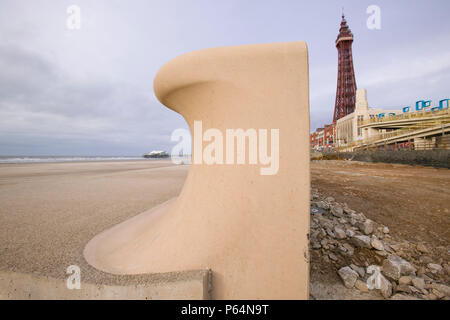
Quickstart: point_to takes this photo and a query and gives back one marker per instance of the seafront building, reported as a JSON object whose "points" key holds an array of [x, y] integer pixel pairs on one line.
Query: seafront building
{"points": [[356, 126], [424, 127], [348, 128]]}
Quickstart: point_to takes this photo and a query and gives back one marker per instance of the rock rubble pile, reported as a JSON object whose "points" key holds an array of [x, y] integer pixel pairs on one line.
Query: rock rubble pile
{"points": [[366, 256]]}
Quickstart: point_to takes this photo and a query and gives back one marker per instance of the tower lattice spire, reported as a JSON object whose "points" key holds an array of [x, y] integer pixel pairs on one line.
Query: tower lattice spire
{"points": [[346, 82]]}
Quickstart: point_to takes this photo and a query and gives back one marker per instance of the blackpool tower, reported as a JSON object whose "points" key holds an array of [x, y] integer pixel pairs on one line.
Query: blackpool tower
{"points": [[346, 83]]}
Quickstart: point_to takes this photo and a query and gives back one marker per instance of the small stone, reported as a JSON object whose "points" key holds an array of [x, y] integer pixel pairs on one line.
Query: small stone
{"points": [[315, 210], [339, 232], [394, 267], [431, 296], [329, 199], [366, 227], [347, 210], [331, 233], [402, 254], [434, 268], [405, 280], [385, 230], [394, 285], [350, 249], [442, 288], [337, 211], [425, 259], [323, 233], [385, 287], [396, 247], [316, 245], [447, 268], [361, 241], [359, 270], [325, 222], [414, 290], [350, 233], [437, 293], [421, 248], [373, 281], [426, 278], [381, 253], [348, 276], [388, 248], [361, 286], [403, 288], [419, 283], [356, 216], [376, 244], [421, 272], [342, 249], [333, 256], [322, 205]]}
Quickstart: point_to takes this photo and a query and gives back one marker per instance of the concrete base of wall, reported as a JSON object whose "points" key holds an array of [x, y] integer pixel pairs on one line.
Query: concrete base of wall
{"points": [[435, 158], [188, 285]]}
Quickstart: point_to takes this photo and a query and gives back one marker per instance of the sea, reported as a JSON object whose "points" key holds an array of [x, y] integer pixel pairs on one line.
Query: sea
{"points": [[49, 159], [38, 159]]}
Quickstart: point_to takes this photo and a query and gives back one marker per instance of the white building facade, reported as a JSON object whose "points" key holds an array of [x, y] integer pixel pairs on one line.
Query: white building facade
{"points": [[348, 128]]}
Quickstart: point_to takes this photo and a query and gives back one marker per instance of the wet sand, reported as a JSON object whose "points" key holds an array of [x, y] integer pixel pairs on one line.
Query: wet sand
{"points": [[49, 211]]}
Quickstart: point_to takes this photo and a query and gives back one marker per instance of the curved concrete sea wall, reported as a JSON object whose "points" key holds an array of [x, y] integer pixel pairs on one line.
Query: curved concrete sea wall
{"points": [[246, 221]]}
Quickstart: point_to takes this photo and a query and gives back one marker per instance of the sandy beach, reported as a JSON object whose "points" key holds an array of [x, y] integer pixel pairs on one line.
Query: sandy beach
{"points": [[49, 211]]}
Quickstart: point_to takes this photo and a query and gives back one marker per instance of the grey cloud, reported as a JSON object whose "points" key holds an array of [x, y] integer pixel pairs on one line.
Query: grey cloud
{"points": [[39, 102]]}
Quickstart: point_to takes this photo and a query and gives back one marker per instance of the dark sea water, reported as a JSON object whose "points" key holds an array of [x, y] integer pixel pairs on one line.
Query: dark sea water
{"points": [[49, 159], [40, 159]]}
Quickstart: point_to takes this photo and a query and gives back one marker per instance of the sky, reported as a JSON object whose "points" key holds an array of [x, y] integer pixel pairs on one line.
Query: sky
{"points": [[89, 91]]}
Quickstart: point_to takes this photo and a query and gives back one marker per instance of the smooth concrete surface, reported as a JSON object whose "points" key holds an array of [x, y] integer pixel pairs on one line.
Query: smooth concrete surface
{"points": [[190, 285], [249, 229]]}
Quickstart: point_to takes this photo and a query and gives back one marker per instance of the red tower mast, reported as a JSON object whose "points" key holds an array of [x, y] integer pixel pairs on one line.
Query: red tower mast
{"points": [[346, 83]]}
